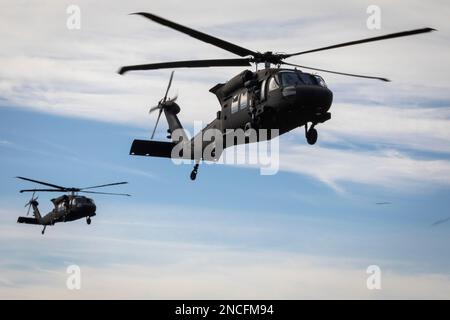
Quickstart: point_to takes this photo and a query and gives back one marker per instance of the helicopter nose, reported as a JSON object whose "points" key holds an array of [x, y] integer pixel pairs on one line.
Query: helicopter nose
{"points": [[313, 98], [92, 208]]}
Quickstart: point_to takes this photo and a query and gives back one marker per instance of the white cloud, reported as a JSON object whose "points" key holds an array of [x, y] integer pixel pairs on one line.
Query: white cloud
{"points": [[160, 254], [5, 142], [388, 168], [423, 129], [223, 274], [52, 69]]}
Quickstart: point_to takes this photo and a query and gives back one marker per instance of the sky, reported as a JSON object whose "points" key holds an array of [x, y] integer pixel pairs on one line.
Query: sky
{"points": [[310, 231]]}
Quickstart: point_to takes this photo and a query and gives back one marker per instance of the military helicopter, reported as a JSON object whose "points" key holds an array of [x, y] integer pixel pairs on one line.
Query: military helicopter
{"points": [[68, 207], [271, 98]]}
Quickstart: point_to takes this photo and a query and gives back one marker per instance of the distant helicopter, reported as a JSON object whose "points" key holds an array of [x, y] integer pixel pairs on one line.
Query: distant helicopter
{"points": [[68, 207], [272, 98]]}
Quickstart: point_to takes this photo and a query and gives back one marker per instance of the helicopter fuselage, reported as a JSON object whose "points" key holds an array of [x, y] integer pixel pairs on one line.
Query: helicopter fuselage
{"points": [[66, 208], [69, 208], [282, 99], [271, 99]]}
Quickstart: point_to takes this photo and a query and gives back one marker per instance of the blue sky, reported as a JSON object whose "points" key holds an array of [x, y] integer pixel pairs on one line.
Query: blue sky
{"points": [[310, 231]]}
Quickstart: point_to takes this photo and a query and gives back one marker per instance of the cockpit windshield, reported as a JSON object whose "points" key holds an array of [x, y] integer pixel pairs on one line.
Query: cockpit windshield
{"points": [[293, 78], [289, 79]]}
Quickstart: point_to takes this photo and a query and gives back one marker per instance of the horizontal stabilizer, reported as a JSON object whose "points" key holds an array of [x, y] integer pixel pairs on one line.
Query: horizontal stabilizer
{"points": [[27, 220], [152, 148]]}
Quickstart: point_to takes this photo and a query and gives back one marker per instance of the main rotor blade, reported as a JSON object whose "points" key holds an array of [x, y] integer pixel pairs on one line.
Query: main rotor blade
{"points": [[228, 46], [104, 185], [43, 183], [43, 190], [351, 43], [340, 73], [188, 64], [156, 124], [108, 193], [168, 87]]}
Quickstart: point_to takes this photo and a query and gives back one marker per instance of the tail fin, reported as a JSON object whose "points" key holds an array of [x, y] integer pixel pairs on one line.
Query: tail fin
{"points": [[170, 111], [36, 212]]}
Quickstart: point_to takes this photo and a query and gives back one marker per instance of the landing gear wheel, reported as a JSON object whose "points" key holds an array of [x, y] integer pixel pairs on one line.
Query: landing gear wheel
{"points": [[88, 220], [311, 136]]}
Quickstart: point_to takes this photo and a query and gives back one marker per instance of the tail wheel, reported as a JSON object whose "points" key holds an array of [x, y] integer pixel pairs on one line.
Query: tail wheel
{"points": [[194, 172], [88, 220]]}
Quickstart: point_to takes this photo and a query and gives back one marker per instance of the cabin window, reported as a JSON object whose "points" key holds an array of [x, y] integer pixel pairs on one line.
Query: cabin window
{"points": [[263, 90], [273, 84], [244, 100], [235, 104]]}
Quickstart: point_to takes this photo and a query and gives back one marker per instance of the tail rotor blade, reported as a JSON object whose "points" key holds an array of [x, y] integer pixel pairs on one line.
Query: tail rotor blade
{"points": [[168, 87], [154, 108], [175, 97], [29, 203], [156, 124]]}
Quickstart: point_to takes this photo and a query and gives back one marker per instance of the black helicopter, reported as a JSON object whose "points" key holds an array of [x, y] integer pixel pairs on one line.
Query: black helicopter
{"points": [[67, 208], [272, 98]]}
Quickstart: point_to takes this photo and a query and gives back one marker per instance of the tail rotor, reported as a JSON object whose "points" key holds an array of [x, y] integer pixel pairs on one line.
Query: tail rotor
{"points": [[30, 203], [163, 103]]}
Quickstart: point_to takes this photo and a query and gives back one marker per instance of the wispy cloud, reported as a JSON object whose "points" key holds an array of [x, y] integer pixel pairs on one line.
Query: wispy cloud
{"points": [[5, 143], [439, 222], [58, 79], [236, 275], [395, 136], [387, 168]]}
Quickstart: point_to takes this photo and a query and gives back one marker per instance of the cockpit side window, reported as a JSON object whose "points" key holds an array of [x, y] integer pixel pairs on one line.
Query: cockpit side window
{"points": [[273, 84], [263, 90]]}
